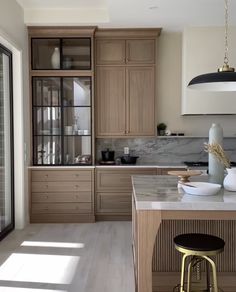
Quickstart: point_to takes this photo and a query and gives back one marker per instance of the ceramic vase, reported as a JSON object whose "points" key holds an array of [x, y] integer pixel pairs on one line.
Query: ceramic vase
{"points": [[215, 168], [55, 59], [230, 180]]}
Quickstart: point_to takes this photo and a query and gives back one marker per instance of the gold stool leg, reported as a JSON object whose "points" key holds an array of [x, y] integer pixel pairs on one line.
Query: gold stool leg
{"points": [[190, 265], [182, 272], [208, 279], [215, 285]]}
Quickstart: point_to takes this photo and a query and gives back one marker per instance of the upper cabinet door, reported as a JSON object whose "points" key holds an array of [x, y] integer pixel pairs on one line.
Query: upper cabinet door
{"points": [[110, 52], [140, 51], [140, 101], [110, 101]]}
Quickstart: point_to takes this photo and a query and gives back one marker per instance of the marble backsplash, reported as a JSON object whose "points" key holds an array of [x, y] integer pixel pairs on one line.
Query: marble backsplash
{"points": [[163, 150]]}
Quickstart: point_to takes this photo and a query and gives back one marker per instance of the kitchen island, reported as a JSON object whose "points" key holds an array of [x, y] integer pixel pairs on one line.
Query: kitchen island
{"points": [[157, 198]]}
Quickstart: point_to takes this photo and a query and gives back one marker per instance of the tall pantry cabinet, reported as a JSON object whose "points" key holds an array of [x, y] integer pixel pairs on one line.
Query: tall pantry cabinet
{"points": [[125, 82], [62, 109]]}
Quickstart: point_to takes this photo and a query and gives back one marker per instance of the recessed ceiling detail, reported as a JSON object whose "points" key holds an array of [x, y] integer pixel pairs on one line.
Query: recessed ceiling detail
{"points": [[168, 14]]}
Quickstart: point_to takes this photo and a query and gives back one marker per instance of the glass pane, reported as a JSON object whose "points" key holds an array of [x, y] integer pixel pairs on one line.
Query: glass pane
{"points": [[77, 121], [77, 91], [47, 150], [77, 150], [46, 91], [76, 54], [45, 54], [47, 120], [6, 163]]}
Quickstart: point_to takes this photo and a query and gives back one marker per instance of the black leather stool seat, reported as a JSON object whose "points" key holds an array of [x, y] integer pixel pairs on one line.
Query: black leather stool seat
{"points": [[199, 242]]}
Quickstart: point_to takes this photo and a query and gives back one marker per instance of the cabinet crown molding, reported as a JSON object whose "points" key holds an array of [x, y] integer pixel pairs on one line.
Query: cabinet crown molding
{"points": [[127, 33], [61, 31]]}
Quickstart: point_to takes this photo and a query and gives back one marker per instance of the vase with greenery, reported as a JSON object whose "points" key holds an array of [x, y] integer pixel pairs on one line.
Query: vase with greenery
{"points": [[161, 129]]}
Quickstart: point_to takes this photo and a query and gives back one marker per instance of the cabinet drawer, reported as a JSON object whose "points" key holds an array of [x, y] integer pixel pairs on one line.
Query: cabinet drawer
{"points": [[38, 187], [114, 203], [59, 175], [61, 208], [118, 179], [62, 197]]}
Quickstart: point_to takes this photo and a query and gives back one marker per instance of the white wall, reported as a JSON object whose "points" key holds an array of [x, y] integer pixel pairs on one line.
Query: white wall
{"points": [[203, 52], [169, 81], [13, 34]]}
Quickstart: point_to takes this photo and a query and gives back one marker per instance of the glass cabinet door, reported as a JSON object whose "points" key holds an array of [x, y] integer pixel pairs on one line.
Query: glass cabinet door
{"points": [[61, 120], [62, 54], [43, 51], [47, 120]]}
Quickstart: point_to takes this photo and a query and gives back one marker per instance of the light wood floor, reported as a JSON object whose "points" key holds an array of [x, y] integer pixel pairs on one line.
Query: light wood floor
{"points": [[76, 258]]}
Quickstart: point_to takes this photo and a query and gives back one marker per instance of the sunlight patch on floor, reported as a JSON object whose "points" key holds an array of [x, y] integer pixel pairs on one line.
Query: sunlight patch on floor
{"points": [[56, 269], [53, 244]]}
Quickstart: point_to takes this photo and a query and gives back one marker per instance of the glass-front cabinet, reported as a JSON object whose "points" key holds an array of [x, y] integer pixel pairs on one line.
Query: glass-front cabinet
{"points": [[62, 120], [61, 53]]}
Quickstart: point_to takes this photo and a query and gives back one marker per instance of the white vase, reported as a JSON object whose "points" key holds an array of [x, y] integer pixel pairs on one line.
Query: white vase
{"points": [[230, 180], [55, 59], [215, 168]]}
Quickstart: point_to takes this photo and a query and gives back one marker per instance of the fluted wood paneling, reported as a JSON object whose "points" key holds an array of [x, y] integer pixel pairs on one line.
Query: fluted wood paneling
{"points": [[167, 259]]}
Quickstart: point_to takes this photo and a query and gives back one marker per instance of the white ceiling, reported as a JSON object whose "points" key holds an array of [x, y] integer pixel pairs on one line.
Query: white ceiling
{"points": [[169, 14]]}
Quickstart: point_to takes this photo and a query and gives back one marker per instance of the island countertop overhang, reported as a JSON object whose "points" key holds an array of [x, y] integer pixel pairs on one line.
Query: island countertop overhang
{"points": [[154, 192]]}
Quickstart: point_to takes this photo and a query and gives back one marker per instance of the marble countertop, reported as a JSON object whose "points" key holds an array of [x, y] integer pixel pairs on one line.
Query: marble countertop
{"points": [[141, 165], [155, 192], [147, 164]]}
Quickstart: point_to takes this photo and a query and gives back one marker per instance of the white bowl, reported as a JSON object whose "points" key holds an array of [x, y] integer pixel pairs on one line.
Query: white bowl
{"points": [[201, 188]]}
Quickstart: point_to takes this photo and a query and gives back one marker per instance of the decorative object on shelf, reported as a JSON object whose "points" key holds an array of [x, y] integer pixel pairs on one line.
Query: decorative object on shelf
{"points": [[230, 180], [167, 132], [184, 175], [83, 159], [225, 78], [67, 63], [161, 128], [55, 59], [216, 156]]}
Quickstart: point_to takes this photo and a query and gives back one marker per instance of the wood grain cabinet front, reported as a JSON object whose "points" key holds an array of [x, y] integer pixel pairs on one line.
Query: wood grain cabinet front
{"points": [[114, 192], [110, 52], [62, 196]]}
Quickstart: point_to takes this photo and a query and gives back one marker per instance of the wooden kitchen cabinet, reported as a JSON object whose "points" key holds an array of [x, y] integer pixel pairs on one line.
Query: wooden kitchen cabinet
{"points": [[59, 196], [110, 52], [110, 101], [141, 101], [125, 82], [140, 51], [120, 52], [114, 192]]}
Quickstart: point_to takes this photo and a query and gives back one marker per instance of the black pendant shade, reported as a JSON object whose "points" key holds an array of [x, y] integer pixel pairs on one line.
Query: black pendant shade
{"points": [[218, 81]]}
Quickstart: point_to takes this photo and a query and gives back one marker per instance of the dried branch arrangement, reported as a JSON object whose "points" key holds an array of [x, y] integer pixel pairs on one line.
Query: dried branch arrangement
{"points": [[217, 150]]}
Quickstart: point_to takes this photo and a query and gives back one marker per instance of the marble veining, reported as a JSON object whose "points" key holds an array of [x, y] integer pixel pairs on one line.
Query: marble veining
{"points": [[167, 150], [161, 193]]}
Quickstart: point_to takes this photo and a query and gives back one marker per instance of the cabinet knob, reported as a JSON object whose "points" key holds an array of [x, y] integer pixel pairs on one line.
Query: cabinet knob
{"points": [[76, 196], [46, 196], [46, 186], [77, 175], [46, 175], [77, 186]]}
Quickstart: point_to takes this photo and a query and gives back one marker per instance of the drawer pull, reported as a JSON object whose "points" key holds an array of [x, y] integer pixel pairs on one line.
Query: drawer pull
{"points": [[46, 196], [45, 209], [46, 175], [76, 186], [76, 196], [46, 186], [77, 175]]}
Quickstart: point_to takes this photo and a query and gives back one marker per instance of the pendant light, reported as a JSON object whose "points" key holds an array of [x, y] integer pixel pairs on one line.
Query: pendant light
{"points": [[225, 78]]}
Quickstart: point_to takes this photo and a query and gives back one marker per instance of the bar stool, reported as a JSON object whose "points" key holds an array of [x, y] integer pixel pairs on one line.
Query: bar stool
{"points": [[199, 247]]}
